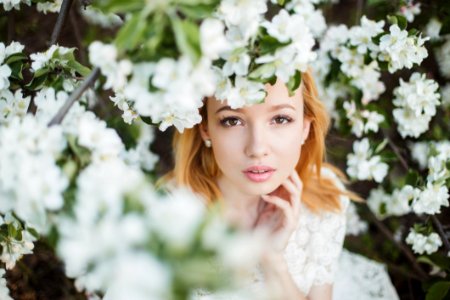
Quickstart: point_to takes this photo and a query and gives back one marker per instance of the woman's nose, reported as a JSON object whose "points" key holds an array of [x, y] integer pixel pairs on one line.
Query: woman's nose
{"points": [[257, 143]]}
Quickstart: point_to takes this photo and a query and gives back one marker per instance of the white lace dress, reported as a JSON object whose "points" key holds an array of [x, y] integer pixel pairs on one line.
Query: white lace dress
{"points": [[315, 256]]}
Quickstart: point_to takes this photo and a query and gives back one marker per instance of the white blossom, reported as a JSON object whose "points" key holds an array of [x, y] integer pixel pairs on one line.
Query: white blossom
{"points": [[355, 225], [12, 105], [423, 243], [54, 54], [212, 38], [410, 10], [244, 15], [431, 199], [50, 6], [442, 54], [10, 4], [433, 28], [176, 218], [95, 16], [4, 291], [416, 101], [362, 165], [361, 36], [445, 95], [245, 92], [401, 50]]}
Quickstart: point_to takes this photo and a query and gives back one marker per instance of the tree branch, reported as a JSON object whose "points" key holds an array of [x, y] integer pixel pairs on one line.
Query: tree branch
{"points": [[74, 97], [441, 232], [396, 151], [65, 6], [405, 250], [78, 38]]}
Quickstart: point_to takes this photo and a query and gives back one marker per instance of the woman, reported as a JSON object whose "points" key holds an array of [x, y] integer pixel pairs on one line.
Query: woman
{"points": [[265, 163]]}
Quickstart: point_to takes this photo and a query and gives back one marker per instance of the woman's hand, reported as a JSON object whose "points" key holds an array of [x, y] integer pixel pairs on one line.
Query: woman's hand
{"points": [[281, 213]]}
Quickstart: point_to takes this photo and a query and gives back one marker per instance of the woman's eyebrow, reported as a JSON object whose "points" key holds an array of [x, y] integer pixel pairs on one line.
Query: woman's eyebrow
{"points": [[227, 108], [280, 106]]}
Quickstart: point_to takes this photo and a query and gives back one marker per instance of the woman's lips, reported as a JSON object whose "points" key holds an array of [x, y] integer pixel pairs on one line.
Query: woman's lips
{"points": [[259, 173]]}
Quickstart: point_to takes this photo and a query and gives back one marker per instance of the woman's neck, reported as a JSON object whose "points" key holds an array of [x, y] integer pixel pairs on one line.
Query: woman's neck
{"points": [[239, 208]]}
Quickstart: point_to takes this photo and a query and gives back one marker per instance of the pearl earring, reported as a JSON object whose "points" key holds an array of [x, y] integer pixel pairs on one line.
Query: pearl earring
{"points": [[208, 143]]}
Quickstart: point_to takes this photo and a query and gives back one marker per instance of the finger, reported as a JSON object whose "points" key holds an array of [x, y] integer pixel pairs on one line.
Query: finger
{"points": [[297, 180], [294, 195], [284, 206]]}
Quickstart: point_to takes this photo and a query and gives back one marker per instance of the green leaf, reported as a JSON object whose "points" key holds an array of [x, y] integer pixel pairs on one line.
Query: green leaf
{"points": [[392, 20], [294, 83], [131, 34], [82, 70], [269, 44], [438, 290], [381, 146], [41, 72], [402, 22], [119, 6], [187, 37], [37, 82], [15, 57], [197, 12], [16, 70], [262, 71], [281, 2], [412, 177]]}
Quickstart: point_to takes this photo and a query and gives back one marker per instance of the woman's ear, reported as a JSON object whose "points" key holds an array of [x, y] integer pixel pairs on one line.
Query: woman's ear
{"points": [[306, 128]]}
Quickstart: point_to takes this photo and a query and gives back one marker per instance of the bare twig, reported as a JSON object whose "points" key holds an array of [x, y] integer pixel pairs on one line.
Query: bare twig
{"points": [[441, 232], [78, 38], [405, 250], [359, 10], [396, 151], [65, 6], [74, 97]]}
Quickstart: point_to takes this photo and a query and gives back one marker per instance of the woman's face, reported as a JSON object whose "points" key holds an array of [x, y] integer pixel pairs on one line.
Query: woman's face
{"points": [[264, 137]]}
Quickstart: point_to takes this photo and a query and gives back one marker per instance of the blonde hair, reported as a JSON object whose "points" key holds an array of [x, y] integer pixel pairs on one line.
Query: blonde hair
{"points": [[196, 168]]}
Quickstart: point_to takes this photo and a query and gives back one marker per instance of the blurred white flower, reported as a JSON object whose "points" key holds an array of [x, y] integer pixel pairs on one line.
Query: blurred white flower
{"points": [[442, 54], [355, 225], [236, 62], [399, 202], [431, 199], [433, 29], [212, 38], [95, 16], [12, 105], [51, 6], [419, 152], [244, 15], [245, 92], [362, 165], [4, 291], [10, 4], [93, 134], [139, 276], [410, 10], [177, 217], [423, 243], [5, 72], [445, 95], [361, 36]]}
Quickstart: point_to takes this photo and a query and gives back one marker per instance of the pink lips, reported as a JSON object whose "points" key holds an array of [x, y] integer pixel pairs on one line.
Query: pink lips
{"points": [[259, 173]]}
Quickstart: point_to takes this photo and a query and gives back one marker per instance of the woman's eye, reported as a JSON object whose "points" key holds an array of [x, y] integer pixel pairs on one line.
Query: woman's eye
{"points": [[282, 119], [229, 122]]}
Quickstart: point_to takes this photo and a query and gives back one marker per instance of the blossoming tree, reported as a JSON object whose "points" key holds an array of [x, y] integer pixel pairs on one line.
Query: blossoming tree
{"points": [[76, 127]]}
